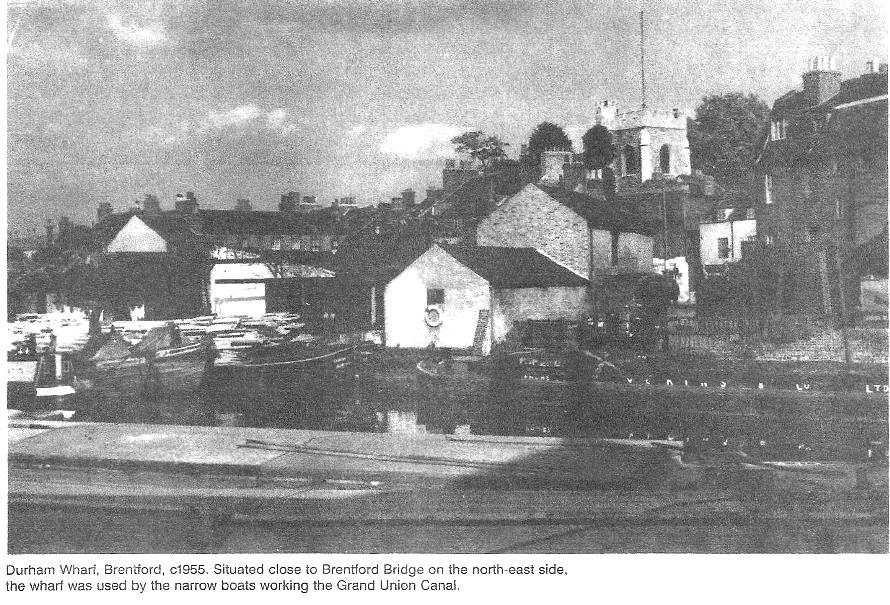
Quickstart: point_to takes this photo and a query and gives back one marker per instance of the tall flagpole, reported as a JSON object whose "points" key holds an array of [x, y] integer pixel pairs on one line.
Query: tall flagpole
{"points": [[642, 60]]}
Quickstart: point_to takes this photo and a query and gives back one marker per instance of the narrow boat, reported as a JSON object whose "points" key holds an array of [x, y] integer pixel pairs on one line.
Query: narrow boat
{"points": [[292, 384], [21, 368], [52, 384], [586, 393], [159, 366], [282, 363]]}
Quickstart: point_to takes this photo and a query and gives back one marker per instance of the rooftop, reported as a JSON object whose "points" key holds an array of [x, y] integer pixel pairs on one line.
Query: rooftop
{"points": [[600, 214], [514, 267]]}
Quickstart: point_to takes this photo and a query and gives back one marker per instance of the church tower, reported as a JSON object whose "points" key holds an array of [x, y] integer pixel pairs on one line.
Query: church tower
{"points": [[647, 141]]}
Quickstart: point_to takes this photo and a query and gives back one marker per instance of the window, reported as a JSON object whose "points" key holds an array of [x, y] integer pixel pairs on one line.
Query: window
{"points": [[630, 160], [767, 189], [722, 247], [777, 129], [665, 159], [435, 296], [615, 248]]}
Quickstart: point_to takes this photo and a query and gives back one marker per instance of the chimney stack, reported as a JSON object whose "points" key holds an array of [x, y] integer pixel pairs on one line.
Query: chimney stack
{"points": [[50, 228], [103, 210], [289, 201], [64, 226], [243, 205], [409, 197], [151, 205], [821, 81], [187, 204]]}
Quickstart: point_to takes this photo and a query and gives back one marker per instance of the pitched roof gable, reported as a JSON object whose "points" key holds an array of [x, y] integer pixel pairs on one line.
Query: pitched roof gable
{"points": [[177, 231], [599, 213], [472, 199], [137, 236]]}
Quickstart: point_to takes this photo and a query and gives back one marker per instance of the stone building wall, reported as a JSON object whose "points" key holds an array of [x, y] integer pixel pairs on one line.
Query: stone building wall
{"points": [[532, 219]]}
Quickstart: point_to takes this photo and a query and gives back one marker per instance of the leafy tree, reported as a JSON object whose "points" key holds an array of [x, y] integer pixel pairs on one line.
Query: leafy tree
{"points": [[725, 136], [548, 136], [599, 150], [487, 149]]}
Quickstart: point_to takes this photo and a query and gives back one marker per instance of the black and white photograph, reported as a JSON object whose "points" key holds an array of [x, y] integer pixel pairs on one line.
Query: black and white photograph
{"points": [[456, 277]]}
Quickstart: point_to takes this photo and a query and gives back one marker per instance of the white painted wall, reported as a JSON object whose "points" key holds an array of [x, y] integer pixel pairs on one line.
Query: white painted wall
{"points": [[136, 236], [238, 299], [518, 304], [634, 252], [735, 231], [466, 293], [679, 263], [873, 296]]}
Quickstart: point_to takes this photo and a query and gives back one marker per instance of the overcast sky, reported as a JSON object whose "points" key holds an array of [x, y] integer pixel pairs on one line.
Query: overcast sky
{"points": [[228, 98]]}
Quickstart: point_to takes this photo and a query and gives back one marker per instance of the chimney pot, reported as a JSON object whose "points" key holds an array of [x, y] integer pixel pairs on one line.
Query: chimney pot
{"points": [[821, 82]]}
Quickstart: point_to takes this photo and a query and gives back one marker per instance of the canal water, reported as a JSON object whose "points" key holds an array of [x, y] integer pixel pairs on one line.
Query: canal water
{"points": [[504, 401]]}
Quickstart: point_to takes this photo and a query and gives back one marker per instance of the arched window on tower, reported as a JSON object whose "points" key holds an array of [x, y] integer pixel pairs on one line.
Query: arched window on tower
{"points": [[665, 159], [631, 166]]}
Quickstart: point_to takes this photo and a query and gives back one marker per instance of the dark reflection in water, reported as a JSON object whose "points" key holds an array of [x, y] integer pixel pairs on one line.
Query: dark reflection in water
{"points": [[502, 401]]}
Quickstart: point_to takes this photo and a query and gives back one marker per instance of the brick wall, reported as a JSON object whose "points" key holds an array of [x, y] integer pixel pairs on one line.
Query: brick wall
{"points": [[531, 218], [802, 216]]}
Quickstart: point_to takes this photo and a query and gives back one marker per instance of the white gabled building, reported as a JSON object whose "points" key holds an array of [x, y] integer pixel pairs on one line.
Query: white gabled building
{"points": [[465, 298]]}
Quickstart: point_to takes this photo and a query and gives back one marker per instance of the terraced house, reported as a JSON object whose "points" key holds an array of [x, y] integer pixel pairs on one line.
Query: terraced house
{"points": [[822, 204], [188, 261]]}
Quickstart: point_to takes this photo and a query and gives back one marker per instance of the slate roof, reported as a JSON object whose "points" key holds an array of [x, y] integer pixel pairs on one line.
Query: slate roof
{"points": [[263, 222], [600, 213], [514, 267], [369, 257], [865, 86], [178, 230], [203, 226], [871, 257], [791, 101], [861, 87], [843, 120], [471, 199]]}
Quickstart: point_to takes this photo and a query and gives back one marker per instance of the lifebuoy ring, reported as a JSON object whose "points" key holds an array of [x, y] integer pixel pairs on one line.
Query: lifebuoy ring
{"points": [[433, 316]]}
